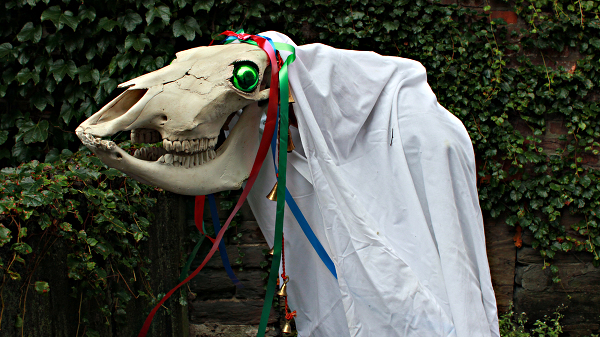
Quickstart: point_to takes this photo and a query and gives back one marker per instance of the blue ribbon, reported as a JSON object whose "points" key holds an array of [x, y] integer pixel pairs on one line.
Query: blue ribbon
{"points": [[217, 225], [308, 232]]}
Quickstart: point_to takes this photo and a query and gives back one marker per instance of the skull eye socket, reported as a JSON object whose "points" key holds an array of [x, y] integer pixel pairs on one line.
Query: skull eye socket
{"points": [[245, 76]]}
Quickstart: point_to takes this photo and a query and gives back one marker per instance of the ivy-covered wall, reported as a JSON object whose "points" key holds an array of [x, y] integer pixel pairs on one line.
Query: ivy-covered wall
{"points": [[522, 76]]}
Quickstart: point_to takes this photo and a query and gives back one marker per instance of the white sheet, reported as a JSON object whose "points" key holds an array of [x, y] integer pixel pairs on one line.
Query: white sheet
{"points": [[386, 178]]}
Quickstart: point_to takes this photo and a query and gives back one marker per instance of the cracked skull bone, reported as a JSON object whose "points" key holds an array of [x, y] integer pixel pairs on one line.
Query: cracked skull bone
{"points": [[182, 108]]}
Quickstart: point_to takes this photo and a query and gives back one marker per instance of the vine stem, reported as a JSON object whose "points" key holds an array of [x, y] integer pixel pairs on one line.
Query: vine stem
{"points": [[79, 315], [581, 12], [2, 299], [546, 68]]}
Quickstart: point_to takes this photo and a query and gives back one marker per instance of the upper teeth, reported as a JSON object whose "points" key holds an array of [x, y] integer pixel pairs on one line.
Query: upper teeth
{"points": [[186, 153], [145, 136], [189, 146]]}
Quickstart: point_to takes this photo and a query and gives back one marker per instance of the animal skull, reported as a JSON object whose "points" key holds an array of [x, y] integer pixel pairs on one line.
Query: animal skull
{"points": [[185, 105]]}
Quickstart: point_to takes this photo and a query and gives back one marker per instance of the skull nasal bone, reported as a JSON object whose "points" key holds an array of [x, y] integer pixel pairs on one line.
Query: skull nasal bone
{"points": [[128, 99]]}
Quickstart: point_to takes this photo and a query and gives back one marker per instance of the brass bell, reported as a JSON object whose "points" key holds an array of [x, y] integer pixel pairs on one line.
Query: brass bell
{"points": [[282, 291], [272, 251], [290, 144], [287, 327], [291, 97], [273, 194]]}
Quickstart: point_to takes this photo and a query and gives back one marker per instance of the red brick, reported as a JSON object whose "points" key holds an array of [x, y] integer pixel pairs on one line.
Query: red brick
{"points": [[589, 159], [509, 16], [499, 5], [557, 128], [472, 3], [522, 127], [570, 66]]}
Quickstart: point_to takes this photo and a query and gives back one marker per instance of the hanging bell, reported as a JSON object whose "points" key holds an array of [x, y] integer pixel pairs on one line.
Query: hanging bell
{"points": [[272, 251], [273, 194], [283, 290], [287, 327], [290, 144], [290, 96]]}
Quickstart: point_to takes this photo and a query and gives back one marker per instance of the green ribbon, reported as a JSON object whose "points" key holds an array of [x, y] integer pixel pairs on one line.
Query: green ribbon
{"points": [[283, 140], [186, 269]]}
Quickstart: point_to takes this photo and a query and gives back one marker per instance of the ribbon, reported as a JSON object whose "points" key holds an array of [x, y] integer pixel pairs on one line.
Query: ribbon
{"points": [[308, 232], [199, 216], [224, 258], [281, 182], [260, 157], [198, 221]]}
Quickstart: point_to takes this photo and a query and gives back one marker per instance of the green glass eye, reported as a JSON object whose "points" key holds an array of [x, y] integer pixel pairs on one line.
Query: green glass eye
{"points": [[245, 76]]}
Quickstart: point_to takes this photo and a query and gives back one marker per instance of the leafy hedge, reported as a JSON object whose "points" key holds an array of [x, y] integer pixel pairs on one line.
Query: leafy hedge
{"points": [[62, 60], [97, 213]]}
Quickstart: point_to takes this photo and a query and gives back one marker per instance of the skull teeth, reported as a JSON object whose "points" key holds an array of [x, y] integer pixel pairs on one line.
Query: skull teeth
{"points": [[184, 153], [190, 146], [149, 153], [188, 160], [139, 136]]}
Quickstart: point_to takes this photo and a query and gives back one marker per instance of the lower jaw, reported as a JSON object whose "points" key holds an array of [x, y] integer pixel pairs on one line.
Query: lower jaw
{"points": [[228, 169]]}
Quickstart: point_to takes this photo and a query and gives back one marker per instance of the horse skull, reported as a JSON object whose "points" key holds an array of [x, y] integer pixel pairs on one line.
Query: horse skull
{"points": [[182, 108]]}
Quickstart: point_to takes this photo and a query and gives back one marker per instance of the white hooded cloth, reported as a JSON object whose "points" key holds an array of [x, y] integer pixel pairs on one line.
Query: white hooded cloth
{"points": [[386, 178]]}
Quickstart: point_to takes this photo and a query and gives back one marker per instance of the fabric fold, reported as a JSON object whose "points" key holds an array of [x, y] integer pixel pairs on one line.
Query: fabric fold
{"points": [[385, 177]]}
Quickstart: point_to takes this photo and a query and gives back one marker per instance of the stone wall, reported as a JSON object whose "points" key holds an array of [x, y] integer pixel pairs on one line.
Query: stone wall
{"points": [[217, 308], [522, 277]]}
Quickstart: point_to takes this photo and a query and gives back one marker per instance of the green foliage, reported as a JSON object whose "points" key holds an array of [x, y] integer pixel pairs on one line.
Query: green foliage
{"points": [[100, 215], [62, 60], [514, 325]]}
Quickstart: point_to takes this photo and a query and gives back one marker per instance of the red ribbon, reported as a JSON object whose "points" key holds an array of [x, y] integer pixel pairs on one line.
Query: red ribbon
{"points": [[260, 157], [199, 215]]}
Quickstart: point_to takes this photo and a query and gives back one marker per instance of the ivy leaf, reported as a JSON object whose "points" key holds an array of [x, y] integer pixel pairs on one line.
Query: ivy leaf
{"points": [[52, 156], [536, 203], [40, 101], [19, 320], [203, 4], [87, 13], [25, 75], [188, 29], [31, 132], [22, 248], [391, 25], [67, 112], [59, 69], [88, 107], [3, 136], [586, 181], [5, 49], [162, 12], [87, 74], [42, 287], [130, 20], [59, 18], [29, 32], [137, 42], [595, 42], [107, 24], [4, 235], [122, 60]]}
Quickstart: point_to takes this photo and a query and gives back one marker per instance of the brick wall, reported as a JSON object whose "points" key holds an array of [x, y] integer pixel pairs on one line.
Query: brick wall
{"points": [[519, 274]]}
